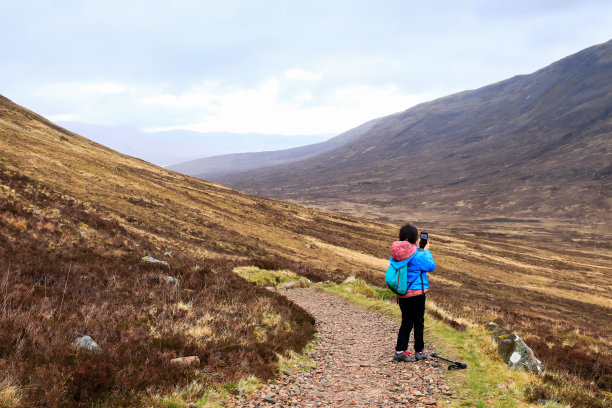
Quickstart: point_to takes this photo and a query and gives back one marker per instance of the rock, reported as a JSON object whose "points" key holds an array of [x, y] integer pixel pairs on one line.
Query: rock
{"points": [[271, 288], [170, 279], [168, 253], [289, 285], [513, 349], [270, 400], [150, 259], [186, 361], [86, 343]]}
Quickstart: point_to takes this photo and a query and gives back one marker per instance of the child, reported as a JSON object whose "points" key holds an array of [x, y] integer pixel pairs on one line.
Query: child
{"points": [[412, 304]]}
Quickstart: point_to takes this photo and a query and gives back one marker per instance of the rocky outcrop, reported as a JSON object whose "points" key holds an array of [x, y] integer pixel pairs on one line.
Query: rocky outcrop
{"points": [[513, 349]]}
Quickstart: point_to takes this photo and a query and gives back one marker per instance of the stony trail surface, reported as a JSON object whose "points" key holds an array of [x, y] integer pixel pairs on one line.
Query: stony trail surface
{"points": [[352, 364]]}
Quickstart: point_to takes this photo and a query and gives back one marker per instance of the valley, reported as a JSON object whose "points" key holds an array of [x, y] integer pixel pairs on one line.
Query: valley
{"points": [[523, 240]]}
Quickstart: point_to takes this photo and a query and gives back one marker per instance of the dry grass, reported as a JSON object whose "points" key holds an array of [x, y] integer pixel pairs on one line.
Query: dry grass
{"points": [[10, 394], [265, 277]]}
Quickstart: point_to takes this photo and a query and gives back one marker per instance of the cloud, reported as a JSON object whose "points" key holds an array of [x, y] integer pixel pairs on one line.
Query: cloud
{"points": [[291, 67], [267, 109]]}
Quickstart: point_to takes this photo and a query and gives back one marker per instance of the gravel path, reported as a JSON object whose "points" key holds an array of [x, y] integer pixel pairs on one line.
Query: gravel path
{"points": [[353, 364]]}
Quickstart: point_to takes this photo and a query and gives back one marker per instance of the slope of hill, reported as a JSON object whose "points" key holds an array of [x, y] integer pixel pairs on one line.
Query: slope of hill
{"points": [[75, 220], [537, 145], [216, 167]]}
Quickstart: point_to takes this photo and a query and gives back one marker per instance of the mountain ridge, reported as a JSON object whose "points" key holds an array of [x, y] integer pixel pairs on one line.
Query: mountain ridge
{"points": [[216, 167], [506, 148], [165, 148]]}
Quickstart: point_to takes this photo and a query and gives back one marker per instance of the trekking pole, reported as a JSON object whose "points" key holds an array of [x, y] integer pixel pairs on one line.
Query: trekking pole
{"points": [[454, 365]]}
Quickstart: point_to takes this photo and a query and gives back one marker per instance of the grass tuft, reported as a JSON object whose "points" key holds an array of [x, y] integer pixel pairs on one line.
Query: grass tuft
{"points": [[266, 277], [10, 394]]}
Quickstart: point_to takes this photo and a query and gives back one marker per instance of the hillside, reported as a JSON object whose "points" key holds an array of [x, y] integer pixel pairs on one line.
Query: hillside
{"points": [[75, 220], [217, 167], [533, 146]]}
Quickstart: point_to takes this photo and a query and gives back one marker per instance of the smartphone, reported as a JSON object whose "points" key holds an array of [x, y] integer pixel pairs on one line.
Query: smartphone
{"points": [[423, 242]]}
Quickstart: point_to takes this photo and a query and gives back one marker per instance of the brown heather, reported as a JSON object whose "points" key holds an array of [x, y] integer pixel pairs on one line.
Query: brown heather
{"points": [[56, 285]]}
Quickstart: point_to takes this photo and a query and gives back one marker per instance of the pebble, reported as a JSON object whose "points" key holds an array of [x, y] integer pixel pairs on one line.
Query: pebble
{"points": [[353, 366]]}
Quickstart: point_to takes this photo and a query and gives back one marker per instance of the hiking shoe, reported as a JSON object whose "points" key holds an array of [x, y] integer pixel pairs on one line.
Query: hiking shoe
{"points": [[421, 355], [403, 356]]}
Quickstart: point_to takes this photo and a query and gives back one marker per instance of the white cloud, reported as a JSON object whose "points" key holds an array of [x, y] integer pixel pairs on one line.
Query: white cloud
{"points": [[271, 106], [303, 97], [259, 66], [262, 109]]}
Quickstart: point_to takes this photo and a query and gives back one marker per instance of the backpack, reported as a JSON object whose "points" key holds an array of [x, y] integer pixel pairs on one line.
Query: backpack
{"points": [[397, 279]]}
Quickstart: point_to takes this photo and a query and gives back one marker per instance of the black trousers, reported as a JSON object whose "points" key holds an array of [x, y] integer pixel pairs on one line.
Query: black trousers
{"points": [[413, 315]]}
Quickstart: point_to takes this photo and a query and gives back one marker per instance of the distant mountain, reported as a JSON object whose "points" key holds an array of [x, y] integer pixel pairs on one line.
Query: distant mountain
{"points": [[537, 145], [134, 142], [176, 146], [216, 167]]}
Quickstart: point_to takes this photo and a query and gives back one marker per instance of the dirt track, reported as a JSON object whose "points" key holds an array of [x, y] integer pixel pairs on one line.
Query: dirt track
{"points": [[353, 364]]}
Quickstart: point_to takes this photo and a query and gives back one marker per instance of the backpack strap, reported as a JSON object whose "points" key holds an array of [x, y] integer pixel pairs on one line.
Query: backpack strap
{"points": [[422, 286], [421, 275]]}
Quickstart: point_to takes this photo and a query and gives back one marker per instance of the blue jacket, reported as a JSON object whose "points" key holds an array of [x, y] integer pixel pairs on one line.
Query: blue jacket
{"points": [[420, 261]]}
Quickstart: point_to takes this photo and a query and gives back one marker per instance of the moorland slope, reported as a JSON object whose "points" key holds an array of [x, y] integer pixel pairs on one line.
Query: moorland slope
{"points": [[532, 146], [75, 220]]}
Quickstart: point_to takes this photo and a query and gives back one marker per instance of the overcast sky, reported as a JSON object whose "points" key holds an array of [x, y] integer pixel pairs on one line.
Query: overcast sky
{"points": [[282, 66]]}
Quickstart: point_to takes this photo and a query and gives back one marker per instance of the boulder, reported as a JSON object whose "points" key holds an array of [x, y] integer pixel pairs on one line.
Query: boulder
{"points": [[289, 285], [186, 361], [513, 349], [86, 343], [171, 280], [150, 259]]}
